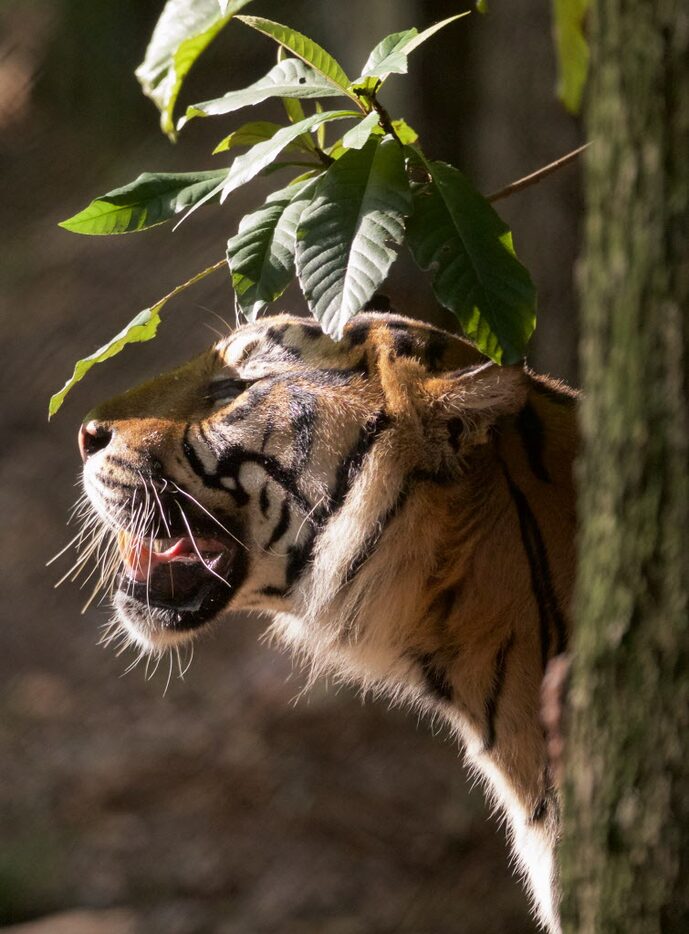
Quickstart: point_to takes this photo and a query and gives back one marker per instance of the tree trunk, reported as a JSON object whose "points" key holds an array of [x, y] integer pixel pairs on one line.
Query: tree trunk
{"points": [[625, 854]]}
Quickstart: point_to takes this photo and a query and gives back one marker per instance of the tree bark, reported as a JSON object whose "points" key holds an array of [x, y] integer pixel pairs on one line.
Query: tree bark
{"points": [[625, 853]]}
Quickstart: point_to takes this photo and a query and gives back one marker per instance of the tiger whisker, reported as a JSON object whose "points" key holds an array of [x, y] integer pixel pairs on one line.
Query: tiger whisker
{"points": [[210, 515], [196, 549]]}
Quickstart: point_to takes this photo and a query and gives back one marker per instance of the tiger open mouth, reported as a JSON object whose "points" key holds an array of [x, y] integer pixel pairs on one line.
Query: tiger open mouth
{"points": [[176, 583]]}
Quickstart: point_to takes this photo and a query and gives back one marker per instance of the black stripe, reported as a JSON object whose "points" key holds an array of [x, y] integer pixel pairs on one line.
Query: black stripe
{"points": [[558, 396], [530, 429], [491, 702], [403, 343], [350, 466], [311, 330], [234, 458], [455, 430], [357, 332], [372, 540], [539, 812], [196, 463], [229, 466], [435, 350], [436, 678], [114, 484], [281, 526], [303, 409], [549, 611], [442, 606], [263, 500], [298, 556], [413, 478]]}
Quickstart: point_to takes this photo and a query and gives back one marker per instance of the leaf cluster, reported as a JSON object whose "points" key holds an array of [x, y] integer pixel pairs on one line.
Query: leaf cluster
{"points": [[340, 221]]}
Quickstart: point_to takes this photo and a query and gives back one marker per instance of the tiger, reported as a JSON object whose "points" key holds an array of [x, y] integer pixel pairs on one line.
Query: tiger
{"points": [[400, 507]]}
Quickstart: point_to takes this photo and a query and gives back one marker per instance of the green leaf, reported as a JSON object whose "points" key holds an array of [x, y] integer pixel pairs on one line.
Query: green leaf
{"points": [[320, 131], [390, 55], [141, 328], [455, 232], [572, 51], [304, 48], [295, 111], [349, 234], [151, 199], [357, 136], [405, 133], [289, 78], [261, 254], [248, 135], [425, 34], [248, 165], [185, 28]]}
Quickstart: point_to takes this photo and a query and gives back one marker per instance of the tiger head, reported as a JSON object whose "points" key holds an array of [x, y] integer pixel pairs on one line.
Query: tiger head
{"points": [[263, 474], [402, 508]]}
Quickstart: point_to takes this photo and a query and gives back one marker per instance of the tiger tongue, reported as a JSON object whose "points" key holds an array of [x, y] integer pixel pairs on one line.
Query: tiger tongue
{"points": [[140, 559]]}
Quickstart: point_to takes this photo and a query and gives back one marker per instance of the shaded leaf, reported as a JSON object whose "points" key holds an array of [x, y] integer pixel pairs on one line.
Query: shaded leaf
{"points": [[261, 254], [456, 233], [304, 48], [572, 51], [151, 199], [289, 78], [185, 28], [357, 136], [349, 234], [141, 328]]}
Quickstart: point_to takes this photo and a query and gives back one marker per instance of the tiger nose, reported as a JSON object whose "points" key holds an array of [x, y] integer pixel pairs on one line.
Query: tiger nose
{"points": [[93, 437]]}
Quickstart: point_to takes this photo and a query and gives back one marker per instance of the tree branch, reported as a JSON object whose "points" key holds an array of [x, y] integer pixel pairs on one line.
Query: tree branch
{"points": [[536, 176]]}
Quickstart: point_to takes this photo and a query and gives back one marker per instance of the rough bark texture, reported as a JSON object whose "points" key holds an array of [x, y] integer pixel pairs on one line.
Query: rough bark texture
{"points": [[625, 854]]}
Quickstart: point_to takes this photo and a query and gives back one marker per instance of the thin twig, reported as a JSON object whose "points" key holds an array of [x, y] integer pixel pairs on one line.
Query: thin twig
{"points": [[536, 176]]}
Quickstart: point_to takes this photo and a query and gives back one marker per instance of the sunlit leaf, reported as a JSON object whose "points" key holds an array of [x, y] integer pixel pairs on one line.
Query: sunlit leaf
{"points": [[261, 254], [248, 135], [572, 50], [185, 28], [141, 328], [357, 136], [295, 111], [456, 233], [349, 233], [304, 48], [151, 199], [289, 78], [390, 55], [405, 133], [248, 165]]}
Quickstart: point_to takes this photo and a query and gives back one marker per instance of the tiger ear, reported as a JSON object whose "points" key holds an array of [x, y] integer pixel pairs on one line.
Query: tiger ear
{"points": [[477, 396]]}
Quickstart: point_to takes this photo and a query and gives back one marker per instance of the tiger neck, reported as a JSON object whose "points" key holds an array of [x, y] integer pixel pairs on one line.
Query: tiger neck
{"points": [[457, 595]]}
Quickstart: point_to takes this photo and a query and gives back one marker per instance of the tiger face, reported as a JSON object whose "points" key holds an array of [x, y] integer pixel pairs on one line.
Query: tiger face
{"points": [[219, 478]]}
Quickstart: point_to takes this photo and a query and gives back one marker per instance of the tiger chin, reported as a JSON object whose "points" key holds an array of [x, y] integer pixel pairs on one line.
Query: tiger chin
{"points": [[402, 509]]}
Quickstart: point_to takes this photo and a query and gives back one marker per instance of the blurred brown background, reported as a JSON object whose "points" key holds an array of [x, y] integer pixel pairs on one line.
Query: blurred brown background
{"points": [[221, 806]]}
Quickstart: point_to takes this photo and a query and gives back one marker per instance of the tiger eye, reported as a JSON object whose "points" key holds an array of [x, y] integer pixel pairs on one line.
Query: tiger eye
{"points": [[225, 390]]}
